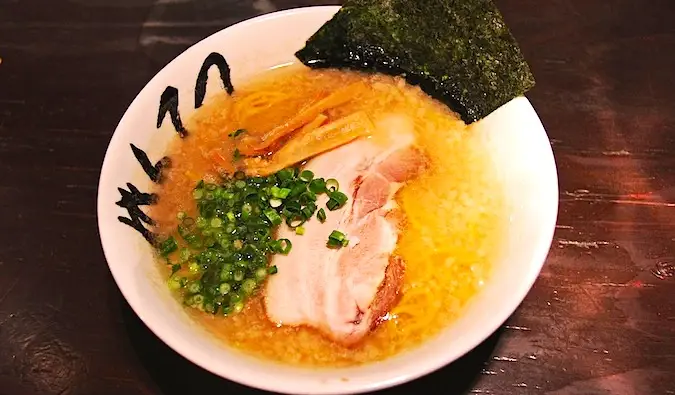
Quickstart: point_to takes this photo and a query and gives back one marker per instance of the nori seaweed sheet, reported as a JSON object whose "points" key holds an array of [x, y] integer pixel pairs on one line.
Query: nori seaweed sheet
{"points": [[458, 51]]}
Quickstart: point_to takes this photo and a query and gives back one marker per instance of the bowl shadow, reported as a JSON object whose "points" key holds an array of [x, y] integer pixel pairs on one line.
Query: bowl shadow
{"points": [[175, 375]]}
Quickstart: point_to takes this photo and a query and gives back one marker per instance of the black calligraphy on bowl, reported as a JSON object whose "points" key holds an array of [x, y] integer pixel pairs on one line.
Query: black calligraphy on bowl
{"points": [[132, 198]]}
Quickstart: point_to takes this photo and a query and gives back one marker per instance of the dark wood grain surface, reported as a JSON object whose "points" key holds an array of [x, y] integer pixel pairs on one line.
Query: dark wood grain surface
{"points": [[600, 319]]}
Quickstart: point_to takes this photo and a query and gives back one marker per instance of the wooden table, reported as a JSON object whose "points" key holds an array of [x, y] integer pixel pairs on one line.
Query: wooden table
{"points": [[600, 319]]}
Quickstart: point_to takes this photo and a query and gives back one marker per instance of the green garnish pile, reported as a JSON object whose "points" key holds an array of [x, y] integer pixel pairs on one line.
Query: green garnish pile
{"points": [[221, 258]]}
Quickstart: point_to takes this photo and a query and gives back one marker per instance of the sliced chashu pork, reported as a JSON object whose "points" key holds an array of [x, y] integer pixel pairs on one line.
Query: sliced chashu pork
{"points": [[345, 292]]}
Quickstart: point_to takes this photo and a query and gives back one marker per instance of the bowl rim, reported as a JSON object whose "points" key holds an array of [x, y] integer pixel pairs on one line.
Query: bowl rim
{"points": [[439, 360]]}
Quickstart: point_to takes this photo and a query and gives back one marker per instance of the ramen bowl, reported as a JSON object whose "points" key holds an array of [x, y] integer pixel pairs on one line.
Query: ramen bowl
{"points": [[517, 144]]}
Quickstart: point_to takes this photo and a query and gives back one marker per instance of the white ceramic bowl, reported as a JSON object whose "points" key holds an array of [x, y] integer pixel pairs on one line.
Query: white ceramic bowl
{"points": [[514, 134]]}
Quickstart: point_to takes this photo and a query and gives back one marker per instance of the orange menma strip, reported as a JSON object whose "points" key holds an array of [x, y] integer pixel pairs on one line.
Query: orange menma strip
{"points": [[312, 142], [250, 145]]}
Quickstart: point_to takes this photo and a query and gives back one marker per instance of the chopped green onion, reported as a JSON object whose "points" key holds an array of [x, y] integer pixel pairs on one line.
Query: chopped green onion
{"points": [[274, 202], [167, 246], [227, 310], [321, 215], [273, 216], [300, 231], [273, 269], [210, 308], [307, 197], [194, 287], [337, 239], [260, 274], [340, 197], [184, 255], [175, 268], [194, 241], [332, 204], [193, 268], [235, 297], [284, 246], [309, 210], [230, 216], [238, 275], [298, 190], [285, 174], [197, 194], [291, 208], [248, 286], [223, 241], [196, 300], [334, 244], [295, 221], [226, 275], [216, 222], [174, 283], [337, 235], [332, 185], [318, 185], [224, 288], [236, 155], [238, 244], [236, 133], [201, 222], [246, 214], [279, 193], [238, 307], [306, 176], [240, 184]]}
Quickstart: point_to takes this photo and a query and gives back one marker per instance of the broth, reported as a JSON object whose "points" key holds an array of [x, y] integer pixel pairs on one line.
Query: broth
{"points": [[454, 211]]}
